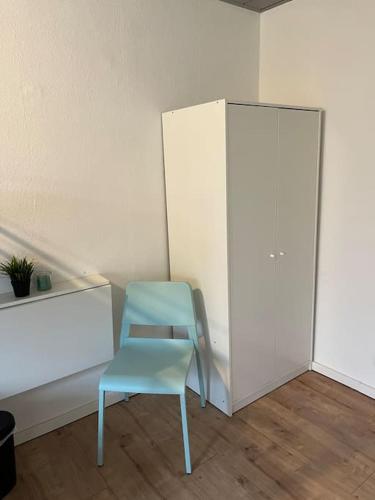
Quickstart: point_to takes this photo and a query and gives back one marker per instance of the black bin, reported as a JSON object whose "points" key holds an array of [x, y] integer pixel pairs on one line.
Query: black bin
{"points": [[7, 458]]}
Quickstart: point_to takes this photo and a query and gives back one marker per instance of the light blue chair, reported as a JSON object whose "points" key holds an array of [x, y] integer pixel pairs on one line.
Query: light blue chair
{"points": [[154, 366]]}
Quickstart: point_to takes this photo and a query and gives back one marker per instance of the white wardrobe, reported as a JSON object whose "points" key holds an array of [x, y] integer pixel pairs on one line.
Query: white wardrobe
{"points": [[242, 203]]}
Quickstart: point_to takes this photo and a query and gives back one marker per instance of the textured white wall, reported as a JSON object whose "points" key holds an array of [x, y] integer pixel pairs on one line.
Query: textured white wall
{"points": [[321, 53], [82, 86]]}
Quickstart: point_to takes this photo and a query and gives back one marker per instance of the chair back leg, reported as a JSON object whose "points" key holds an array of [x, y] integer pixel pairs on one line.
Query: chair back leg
{"points": [[185, 434], [100, 460], [200, 378], [126, 396], [193, 335]]}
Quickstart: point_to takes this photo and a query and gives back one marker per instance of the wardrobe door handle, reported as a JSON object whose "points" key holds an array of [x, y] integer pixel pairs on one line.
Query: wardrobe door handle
{"points": [[282, 254]]}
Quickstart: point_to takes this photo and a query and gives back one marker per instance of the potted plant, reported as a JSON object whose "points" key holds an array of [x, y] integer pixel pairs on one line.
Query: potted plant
{"points": [[19, 272]]}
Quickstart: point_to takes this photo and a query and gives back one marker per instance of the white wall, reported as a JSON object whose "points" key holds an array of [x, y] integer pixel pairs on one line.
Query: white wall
{"points": [[321, 53], [83, 83], [82, 87]]}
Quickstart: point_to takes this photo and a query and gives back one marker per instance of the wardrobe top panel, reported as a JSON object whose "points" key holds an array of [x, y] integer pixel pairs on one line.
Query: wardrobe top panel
{"points": [[253, 103], [271, 105]]}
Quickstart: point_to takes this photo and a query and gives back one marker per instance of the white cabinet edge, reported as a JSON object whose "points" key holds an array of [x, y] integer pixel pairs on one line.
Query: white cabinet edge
{"points": [[62, 288]]}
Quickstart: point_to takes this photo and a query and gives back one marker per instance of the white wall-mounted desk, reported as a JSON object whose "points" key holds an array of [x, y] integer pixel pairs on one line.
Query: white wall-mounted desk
{"points": [[51, 335]]}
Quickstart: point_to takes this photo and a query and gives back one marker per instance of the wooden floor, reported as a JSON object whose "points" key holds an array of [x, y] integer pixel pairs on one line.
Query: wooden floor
{"points": [[310, 439]]}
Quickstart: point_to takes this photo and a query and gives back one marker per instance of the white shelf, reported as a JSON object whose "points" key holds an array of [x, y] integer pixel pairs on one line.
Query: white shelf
{"points": [[46, 340], [64, 287]]}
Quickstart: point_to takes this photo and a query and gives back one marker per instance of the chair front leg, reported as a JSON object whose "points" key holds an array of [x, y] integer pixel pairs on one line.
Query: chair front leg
{"points": [[100, 460], [185, 433]]}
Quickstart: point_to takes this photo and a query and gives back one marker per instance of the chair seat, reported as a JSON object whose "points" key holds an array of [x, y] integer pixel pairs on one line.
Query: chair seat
{"points": [[150, 366]]}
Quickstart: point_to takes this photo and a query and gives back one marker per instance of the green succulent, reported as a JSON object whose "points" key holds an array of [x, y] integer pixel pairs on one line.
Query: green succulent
{"points": [[17, 269]]}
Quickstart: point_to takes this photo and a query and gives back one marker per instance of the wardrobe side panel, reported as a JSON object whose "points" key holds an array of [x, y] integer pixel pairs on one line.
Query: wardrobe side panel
{"points": [[299, 138], [252, 160], [195, 172]]}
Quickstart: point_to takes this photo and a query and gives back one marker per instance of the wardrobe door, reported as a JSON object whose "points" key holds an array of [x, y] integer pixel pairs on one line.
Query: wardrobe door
{"points": [[299, 133], [252, 161]]}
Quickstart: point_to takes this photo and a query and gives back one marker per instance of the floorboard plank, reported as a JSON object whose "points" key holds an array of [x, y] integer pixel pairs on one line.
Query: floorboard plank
{"points": [[340, 394], [343, 423], [367, 490], [310, 439]]}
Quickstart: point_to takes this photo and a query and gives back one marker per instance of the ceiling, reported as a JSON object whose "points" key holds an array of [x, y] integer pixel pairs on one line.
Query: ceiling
{"points": [[257, 5]]}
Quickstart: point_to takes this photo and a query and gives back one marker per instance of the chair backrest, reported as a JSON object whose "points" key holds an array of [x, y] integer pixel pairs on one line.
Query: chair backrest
{"points": [[158, 303]]}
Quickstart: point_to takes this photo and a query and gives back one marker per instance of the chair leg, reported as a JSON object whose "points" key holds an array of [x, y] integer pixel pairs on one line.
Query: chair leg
{"points": [[126, 396], [101, 427], [185, 434], [200, 378]]}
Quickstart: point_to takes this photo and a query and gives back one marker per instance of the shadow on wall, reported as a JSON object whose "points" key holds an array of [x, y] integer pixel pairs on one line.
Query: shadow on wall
{"points": [[47, 259], [63, 271], [10, 239]]}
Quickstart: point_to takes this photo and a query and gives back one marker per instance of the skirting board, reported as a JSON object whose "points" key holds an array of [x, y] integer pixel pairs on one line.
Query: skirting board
{"points": [[61, 420], [270, 387], [368, 390]]}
